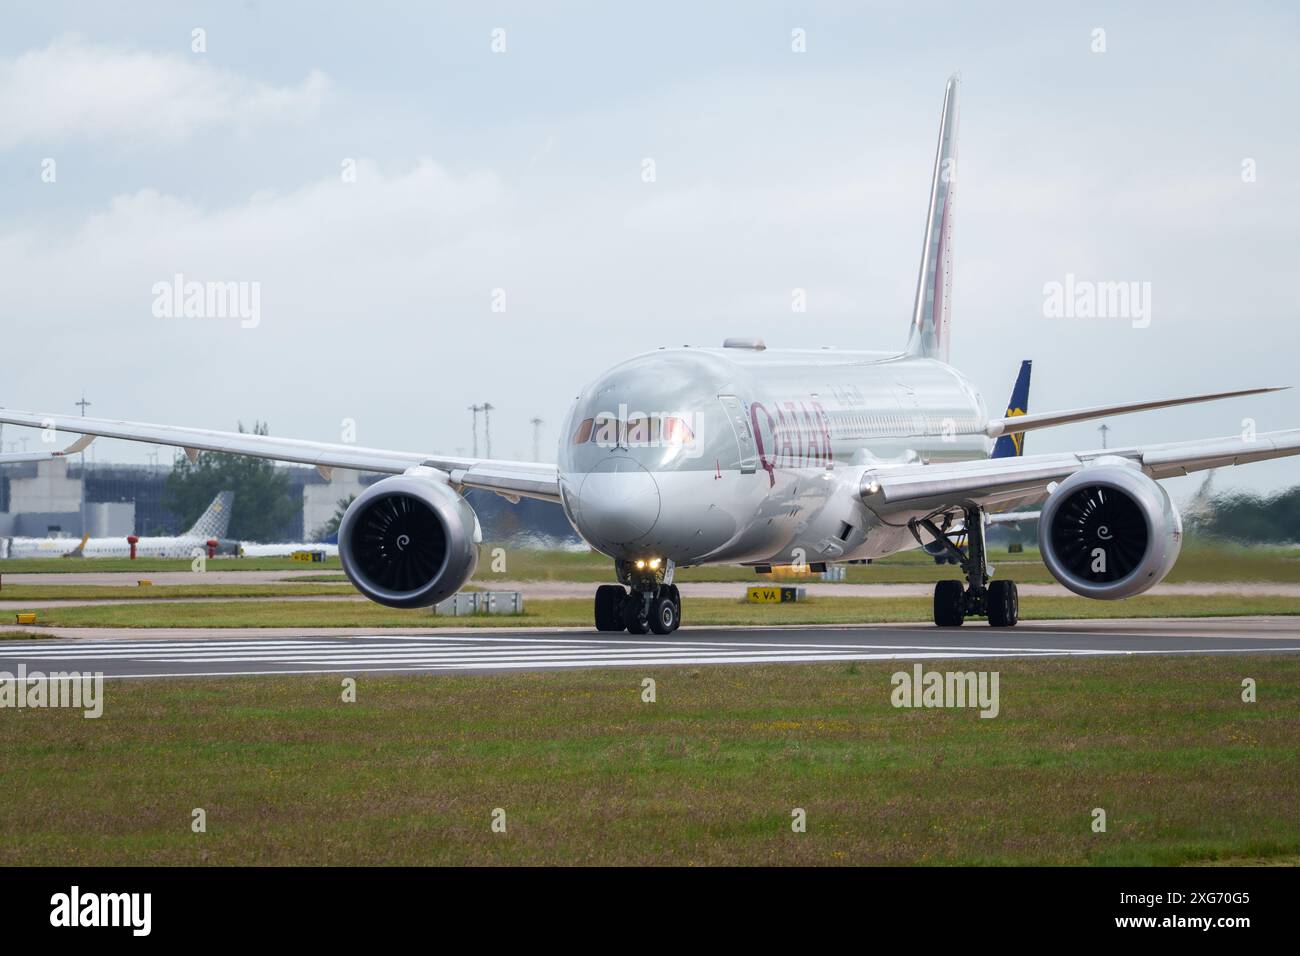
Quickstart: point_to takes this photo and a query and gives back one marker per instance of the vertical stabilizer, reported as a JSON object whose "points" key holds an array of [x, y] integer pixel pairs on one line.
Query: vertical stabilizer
{"points": [[1013, 445], [932, 311], [215, 522]]}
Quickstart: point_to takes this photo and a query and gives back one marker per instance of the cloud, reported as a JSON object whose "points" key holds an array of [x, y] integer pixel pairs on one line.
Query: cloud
{"points": [[328, 249], [75, 90], [375, 295]]}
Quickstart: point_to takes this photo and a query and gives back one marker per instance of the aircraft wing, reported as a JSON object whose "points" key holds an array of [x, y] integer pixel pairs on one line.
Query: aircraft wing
{"points": [[1023, 423], [1002, 483], [514, 479], [17, 457], [13, 458]]}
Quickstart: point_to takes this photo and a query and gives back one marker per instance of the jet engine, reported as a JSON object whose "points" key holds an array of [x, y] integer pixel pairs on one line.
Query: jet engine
{"points": [[1109, 532], [409, 541]]}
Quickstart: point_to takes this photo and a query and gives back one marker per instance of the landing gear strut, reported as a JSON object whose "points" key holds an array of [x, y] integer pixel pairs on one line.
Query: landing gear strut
{"points": [[953, 603], [650, 602]]}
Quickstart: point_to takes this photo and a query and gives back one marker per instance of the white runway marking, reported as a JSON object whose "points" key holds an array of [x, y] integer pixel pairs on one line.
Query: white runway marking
{"points": [[468, 652]]}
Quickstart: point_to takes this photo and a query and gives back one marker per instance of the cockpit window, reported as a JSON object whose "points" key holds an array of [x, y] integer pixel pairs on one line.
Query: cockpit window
{"points": [[606, 432], [583, 434], [676, 432], [638, 431]]}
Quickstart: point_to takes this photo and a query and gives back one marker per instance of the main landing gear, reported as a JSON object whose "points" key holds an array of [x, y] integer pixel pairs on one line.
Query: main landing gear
{"points": [[650, 602], [953, 603]]}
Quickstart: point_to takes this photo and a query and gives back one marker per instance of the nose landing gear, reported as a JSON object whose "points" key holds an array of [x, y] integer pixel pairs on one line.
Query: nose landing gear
{"points": [[999, 601], [651, 602]]}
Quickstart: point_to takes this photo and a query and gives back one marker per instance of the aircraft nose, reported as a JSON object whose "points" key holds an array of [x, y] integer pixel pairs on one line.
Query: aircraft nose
{"points": [[618, 501]]}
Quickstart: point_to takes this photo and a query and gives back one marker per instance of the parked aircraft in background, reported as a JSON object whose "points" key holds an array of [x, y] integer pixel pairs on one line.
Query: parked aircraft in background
{"points": [[1013, 445], [749, 455], [207, 536], [1007, 446]]}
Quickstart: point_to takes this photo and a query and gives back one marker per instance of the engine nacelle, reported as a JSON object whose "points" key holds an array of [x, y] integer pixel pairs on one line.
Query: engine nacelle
{"points": [[409, 541], [1109, 532]]}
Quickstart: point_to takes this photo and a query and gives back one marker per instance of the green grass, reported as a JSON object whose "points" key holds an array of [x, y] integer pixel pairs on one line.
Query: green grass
{"points": [[145, 565], [96, 592], [588, 774], [1200, 561], [578, 612], [25, 635]]}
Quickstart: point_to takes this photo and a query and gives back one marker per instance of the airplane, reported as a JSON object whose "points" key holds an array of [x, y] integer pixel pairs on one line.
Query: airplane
{"points": [[19, 457], [1007, 446], [1013, 445], [748, 455], [207, 536]]}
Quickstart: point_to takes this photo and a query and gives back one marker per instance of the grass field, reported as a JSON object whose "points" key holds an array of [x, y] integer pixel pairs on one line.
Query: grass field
{"points": [[16, 594], [142, 565], [1209, 562], [1200, 561], [577, 612], [709, 774]]}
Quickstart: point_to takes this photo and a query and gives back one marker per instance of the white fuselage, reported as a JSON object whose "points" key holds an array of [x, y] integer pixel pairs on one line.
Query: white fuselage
{"points": [[154, 547], [778, 444]]}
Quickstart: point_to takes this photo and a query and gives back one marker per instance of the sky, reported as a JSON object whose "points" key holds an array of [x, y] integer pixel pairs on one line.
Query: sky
{"points": [[447, 204]]}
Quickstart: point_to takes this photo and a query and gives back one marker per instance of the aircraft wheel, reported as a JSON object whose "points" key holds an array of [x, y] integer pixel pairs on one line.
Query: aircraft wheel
{"points": [[949, 604], [663, 615], [1003, 604], [676, 596], [609, 608], [632, 618]]}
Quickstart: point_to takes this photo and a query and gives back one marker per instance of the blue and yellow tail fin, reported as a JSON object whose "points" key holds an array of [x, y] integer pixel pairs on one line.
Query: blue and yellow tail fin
{"points": [[1013, 445]]}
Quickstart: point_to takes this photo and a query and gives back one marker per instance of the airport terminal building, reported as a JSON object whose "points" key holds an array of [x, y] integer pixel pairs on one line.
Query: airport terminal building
{"points": [[64, 498], [45, 499]]}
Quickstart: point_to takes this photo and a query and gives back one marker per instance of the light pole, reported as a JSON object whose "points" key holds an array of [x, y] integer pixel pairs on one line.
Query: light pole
{"points": [[1103, 428], [487, 427], [83, 404], [537, 438], [476, 409]]}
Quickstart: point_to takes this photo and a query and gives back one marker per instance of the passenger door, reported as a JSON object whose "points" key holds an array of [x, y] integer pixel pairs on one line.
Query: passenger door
{"points": [[735, 410]]}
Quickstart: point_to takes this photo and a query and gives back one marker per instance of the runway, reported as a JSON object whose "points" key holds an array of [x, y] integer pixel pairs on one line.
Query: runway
{"points": [[225, 653]]}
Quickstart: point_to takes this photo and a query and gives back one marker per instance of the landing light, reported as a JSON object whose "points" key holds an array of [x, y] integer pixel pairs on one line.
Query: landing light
{"points": [[654, 564]]}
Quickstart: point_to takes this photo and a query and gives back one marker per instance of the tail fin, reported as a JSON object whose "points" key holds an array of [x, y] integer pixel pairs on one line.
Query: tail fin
{"points": [[1013, 445], [215, 522], [932, 311]]}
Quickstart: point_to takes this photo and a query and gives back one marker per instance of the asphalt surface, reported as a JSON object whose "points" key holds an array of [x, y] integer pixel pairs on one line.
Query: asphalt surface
{"points": [[227, 652]]}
